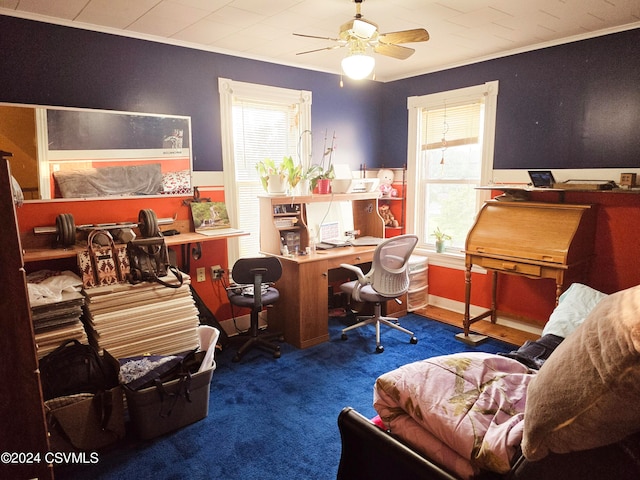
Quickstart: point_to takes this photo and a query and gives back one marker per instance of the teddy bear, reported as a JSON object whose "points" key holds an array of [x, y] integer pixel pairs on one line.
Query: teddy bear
{"points": [[386, 179], [387, 216]]}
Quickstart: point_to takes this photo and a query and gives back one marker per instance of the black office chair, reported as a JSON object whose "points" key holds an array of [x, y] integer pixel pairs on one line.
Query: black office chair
{"points": [[387, 279], [252, 276]]}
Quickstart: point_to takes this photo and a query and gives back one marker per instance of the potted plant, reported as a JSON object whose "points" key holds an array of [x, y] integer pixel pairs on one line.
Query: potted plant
{"points": [[320, 176], [441, 237], [272, 176], [293, 172]]}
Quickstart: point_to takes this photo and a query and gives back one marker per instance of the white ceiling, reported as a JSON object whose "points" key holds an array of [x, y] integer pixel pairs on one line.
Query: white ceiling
{"points": [[462, 31]]}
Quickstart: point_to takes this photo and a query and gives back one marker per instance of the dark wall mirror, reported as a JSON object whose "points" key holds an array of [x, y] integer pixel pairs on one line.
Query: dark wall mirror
{"points": [[76, 153]]}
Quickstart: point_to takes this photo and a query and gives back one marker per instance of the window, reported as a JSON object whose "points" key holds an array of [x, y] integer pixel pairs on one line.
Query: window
{"points": [[257, 122], [450, 154]]}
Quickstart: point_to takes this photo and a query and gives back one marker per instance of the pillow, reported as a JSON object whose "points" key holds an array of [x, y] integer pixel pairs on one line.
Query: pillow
{"points": [[177, 182], [586, 394], [573, 307]]}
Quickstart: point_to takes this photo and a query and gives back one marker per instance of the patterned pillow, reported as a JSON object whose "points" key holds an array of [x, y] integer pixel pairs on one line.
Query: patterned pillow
{"points": [[177, 183], [586, 394]]}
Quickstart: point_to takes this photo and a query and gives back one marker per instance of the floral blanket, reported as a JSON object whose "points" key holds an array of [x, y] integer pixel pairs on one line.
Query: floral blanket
{"points": [[465, 411]]}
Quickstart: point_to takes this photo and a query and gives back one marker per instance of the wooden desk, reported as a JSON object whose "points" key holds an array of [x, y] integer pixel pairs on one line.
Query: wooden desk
{"points": [[534, 240], [302, 313]]}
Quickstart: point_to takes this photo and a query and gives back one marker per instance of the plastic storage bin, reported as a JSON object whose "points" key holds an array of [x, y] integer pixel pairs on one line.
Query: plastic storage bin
{"points": [[418, 294], [154, 411]]}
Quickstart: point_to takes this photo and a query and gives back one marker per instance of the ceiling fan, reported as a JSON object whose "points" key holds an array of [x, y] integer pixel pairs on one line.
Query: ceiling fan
{"points": [[359, 35]]}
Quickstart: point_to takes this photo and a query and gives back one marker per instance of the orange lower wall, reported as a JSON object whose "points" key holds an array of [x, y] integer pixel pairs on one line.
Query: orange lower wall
{"points": [[214, 252], [614, 268]]}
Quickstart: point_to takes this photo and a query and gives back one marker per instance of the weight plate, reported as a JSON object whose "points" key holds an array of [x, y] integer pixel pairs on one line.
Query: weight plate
{"points": [[148, 223], [65, 229]]}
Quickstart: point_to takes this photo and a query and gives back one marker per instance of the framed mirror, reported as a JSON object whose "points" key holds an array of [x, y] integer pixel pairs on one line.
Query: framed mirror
{"points": [[76, 153]]}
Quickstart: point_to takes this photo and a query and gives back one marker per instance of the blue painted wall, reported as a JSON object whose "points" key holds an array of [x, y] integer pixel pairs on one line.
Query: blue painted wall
{"points": [[54, 65], [571, 106]]}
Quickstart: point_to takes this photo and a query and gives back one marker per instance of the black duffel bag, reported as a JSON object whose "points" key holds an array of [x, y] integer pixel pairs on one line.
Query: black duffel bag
{"points": [[74, 368]]}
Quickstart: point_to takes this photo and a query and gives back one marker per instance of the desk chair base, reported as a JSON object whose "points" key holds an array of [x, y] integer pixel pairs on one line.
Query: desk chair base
{"points": [[262, 341], [377, 318]]}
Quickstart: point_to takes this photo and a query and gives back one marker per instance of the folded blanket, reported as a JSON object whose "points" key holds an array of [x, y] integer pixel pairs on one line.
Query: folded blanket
{"points": [[473, 402]]}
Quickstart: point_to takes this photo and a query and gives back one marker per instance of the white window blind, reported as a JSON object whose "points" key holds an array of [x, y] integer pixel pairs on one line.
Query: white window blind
{"points": [[452, 126], [260, 131]]}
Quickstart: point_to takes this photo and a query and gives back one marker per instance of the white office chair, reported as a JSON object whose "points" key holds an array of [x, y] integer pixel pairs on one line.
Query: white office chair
{"points": [[387, 279]]}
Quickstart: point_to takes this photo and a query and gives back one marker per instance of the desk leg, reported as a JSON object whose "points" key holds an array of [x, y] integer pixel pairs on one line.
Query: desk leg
{"points": [[494, 303], [468, 337], [467, 300]]}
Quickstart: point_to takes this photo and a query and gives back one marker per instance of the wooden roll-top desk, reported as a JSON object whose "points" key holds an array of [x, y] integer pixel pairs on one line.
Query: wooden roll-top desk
{"points": [[531, 239]]}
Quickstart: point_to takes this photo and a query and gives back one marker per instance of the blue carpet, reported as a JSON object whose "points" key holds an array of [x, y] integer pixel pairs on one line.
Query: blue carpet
{"points": [[276, 419]]}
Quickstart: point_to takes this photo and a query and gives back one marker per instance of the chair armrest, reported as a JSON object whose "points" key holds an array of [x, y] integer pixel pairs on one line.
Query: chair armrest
{"points": [[357, 270]]}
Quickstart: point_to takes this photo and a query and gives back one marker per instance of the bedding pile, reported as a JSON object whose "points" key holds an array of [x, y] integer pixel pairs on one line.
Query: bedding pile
{"points": [[465, 410]]}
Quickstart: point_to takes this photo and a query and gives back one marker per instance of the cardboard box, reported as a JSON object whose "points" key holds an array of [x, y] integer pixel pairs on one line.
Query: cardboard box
{"points": [[155, 411], [76, 422]]}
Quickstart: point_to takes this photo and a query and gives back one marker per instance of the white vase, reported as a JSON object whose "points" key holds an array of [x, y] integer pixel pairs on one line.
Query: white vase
{"points": [[302, 188], [276, 184]]}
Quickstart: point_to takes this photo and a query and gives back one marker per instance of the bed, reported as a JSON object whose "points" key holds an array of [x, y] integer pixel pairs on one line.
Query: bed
{"points": [[474, 415]]}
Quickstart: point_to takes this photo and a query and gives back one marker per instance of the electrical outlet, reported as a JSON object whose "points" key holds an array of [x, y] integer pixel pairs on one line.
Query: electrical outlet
{"points": [[200, 275], [216, 272]]}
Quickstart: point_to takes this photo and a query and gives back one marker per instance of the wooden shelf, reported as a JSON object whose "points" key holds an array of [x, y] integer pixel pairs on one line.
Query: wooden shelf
{"points": [[40, 254], [286, 199]]}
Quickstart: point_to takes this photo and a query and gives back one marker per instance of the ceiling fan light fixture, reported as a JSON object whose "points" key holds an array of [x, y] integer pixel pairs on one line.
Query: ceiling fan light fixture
{"points": [[358, 65]]}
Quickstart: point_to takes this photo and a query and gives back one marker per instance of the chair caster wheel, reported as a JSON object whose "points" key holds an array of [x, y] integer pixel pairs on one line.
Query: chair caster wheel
{"points": [[413, 340], [379, 349], [343, 336], [276, 354]]}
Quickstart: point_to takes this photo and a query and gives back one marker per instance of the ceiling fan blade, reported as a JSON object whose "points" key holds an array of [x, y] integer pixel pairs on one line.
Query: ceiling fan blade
{"points": [[405, 36], [314, 36], [395, 51], [332, 47]]}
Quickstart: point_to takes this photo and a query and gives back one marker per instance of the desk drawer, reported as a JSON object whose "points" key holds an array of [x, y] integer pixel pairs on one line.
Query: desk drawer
{"points": [[350, 259], [509, 266]]}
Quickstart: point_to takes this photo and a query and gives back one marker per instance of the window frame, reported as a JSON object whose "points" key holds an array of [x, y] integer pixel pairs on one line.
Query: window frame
{"points": [[415, 106], [227, 89]]}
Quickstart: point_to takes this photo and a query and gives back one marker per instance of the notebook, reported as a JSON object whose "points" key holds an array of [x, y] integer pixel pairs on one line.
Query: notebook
{"points": [[211, 219], [366, 241]]}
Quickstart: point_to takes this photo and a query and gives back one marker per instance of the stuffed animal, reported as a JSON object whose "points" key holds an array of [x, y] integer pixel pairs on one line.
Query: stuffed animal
{"points": [[387, 216], [386, 180]]}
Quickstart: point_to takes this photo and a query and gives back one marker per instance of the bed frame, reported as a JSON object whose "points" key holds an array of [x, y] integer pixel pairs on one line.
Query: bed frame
{"points": [[362, 459], [370, 453]]}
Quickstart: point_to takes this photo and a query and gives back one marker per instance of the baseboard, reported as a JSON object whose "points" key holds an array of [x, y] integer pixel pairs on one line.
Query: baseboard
{"points": [[242, 322], [474, 310]]}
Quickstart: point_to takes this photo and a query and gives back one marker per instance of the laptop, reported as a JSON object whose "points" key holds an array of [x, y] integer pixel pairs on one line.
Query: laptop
{"points": [[542, 178], [330, 236]]}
